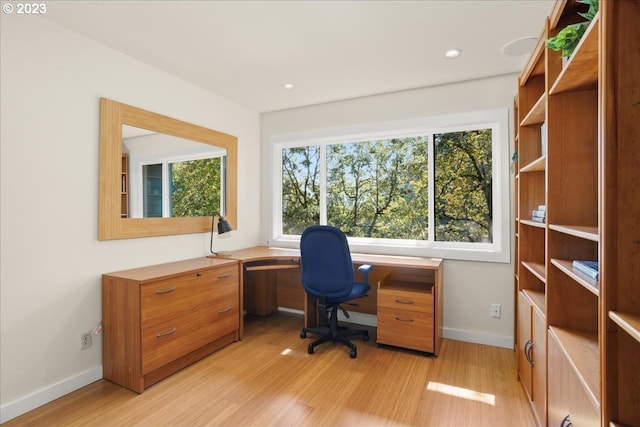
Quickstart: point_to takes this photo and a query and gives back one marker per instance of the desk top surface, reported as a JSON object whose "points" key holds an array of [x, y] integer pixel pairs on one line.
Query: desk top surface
{"points": [[170, 269], [258, 253]]}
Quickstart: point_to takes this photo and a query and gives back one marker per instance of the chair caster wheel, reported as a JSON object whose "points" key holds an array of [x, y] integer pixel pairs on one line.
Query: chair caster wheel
{"points": [[310, 349], [303, 334], [365, 338], [353, 353]]}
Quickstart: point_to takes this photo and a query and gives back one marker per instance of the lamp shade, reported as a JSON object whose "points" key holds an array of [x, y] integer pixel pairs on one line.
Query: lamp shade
{"points": [[223, 226]]}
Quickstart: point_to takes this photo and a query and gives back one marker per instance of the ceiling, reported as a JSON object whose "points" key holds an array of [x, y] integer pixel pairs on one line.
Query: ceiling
{"points": [[246, 51]]}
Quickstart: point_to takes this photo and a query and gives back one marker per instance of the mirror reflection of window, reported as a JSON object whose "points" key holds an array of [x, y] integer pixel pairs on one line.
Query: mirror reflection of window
{"points": [[195, 187], [152, 190], [173, 177]]}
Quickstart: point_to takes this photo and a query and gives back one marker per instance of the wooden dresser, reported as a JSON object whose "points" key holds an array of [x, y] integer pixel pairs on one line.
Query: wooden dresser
{"points": [[161, 318]]}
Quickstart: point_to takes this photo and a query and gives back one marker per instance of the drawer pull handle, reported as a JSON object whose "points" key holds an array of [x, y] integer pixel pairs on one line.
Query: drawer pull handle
{"points": [[164, 334], [198, 274], [166, 291], [527, 351], [224, 276], [566, 422], [399, 301], [225, 310], [400, 319]]}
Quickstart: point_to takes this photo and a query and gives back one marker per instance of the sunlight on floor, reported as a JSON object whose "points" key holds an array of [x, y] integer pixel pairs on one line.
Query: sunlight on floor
{"points": [[286, 352], [464, 393]]}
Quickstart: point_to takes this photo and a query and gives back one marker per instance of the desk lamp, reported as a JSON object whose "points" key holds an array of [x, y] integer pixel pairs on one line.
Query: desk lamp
{"points": [[223, 227]]}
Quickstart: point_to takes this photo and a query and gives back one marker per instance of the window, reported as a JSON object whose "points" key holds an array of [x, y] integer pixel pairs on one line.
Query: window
{"points": [[430, 187]]}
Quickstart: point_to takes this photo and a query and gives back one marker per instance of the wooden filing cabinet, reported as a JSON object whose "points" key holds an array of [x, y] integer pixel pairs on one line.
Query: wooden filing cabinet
{"points": [[159, 319], [410, 309]]}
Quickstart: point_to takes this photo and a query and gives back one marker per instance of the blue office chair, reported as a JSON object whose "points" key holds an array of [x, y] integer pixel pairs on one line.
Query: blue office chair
{"points": [[327, 275]]}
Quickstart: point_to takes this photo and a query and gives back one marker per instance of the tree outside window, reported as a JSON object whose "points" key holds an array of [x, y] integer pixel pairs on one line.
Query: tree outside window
{"points": [[379, 188], [300, 188], [463, 186], [195, 187]]}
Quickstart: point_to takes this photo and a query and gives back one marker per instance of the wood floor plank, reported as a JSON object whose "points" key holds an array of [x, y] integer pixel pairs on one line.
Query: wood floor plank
{"points": [[268, 379]]}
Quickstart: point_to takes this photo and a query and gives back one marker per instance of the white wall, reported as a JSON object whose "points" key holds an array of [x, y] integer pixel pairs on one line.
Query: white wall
{"points": [[51, 261], [469, 287]]}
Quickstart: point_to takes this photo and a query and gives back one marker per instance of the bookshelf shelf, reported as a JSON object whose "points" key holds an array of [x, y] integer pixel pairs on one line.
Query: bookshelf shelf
{"points": [[581, 349], [566, 267], [584, 232], [537, 269], [630, 323], [536, 114], [535, 166], [581, 71], [536, 298], [535, 64], [533, 223]]}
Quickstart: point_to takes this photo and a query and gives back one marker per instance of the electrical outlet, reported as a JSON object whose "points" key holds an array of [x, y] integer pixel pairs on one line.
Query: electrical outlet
{"points": [[496, 311], [85, 340]]}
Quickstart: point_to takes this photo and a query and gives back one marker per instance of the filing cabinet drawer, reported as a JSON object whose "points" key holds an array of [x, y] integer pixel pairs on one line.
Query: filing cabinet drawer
{"points": [[404, 300], [169, 298], [173, 339], [405, 328]]}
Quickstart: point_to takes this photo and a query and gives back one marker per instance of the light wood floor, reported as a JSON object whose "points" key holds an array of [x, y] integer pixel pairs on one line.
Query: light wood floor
{"points": [[268, 379]]}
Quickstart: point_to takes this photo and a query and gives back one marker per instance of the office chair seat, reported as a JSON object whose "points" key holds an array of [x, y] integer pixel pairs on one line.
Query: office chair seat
{"points": [[328, 276]]}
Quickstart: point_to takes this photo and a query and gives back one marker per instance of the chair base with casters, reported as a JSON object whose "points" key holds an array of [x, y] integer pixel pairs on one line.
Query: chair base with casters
{"points": [[334, 332]]}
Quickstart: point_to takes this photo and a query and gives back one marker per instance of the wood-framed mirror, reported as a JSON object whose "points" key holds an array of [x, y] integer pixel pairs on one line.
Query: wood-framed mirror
{"points": [[115, 221]]}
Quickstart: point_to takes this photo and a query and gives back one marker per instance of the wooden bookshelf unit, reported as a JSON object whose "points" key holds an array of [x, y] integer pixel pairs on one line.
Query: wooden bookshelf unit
{"points": [[578, 338]]}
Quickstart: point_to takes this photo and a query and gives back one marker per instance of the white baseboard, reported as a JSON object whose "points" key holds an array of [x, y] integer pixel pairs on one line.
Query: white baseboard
{"points": [[354, 317], [454, 334], [478, 338], [27, 403]]}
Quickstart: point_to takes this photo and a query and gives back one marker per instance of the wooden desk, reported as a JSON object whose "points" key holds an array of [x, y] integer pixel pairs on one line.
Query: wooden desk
{"points": [[406, 292]]}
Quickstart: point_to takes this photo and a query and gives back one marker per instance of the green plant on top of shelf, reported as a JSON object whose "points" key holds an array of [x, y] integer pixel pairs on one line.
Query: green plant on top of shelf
{"points": [[593, 9], [569, 37]]}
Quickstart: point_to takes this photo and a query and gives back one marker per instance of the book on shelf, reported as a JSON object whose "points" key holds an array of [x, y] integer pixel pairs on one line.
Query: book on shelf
{"points": [[542, 208], [589, 268], [538, 219], [539, 213], [543, 139]]}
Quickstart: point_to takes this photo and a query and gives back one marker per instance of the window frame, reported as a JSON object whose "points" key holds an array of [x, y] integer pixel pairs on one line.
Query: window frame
{"points": [[496, 119]]}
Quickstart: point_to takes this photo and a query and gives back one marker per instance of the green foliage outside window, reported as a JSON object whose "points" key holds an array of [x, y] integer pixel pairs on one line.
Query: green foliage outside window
{"points": [[300, 188], [195, 187], [463, 186], [380, 188]]}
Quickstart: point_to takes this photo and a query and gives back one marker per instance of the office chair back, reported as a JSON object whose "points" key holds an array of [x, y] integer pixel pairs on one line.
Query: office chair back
{"points": [[327, 269]]}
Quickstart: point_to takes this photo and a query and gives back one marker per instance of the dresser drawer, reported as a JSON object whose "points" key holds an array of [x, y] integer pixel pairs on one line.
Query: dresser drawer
{"points": [[405, 300], [169, 298], [170, 340], [405, 328]]}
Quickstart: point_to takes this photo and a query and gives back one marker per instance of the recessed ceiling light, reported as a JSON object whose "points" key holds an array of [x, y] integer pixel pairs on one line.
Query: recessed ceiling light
{"points": [[287, 86], [452, 53], [519, 47]]}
